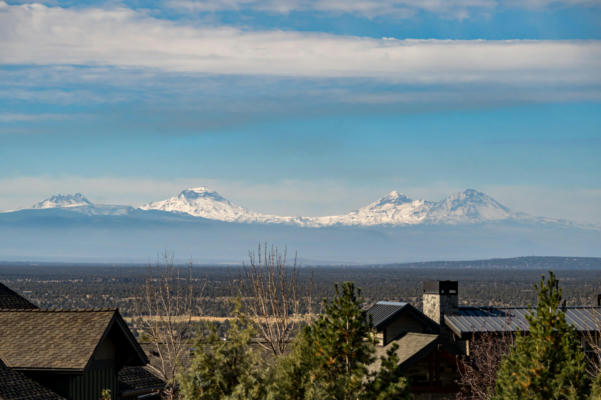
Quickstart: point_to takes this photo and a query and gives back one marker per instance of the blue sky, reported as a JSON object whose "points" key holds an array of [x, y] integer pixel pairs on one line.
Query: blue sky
{"points": [[304, 107]]}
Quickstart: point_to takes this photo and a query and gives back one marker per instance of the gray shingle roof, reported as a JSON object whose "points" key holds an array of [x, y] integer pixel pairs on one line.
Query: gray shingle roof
{"points": [[16, 386], [489, 319], [138, 380], [11, 300], [411, 347], [383, 310], [48, 339], [58, 339]]}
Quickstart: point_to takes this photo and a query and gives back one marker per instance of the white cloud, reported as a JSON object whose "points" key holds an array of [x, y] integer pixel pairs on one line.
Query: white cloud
{"points": [[456, 9], [20, 117], [366, 8], [40, 35]]}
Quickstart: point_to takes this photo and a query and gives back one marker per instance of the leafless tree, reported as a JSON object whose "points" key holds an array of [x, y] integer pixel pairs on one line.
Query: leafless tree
{"points": [[270, 292], [478, 371], [164, 314]]}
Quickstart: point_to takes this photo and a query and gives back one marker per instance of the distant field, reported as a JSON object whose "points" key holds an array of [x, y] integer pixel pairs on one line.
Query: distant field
{"points": [[484, 282]]}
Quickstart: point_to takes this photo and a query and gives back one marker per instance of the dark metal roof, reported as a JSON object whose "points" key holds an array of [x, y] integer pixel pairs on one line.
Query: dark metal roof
{"points": [[383, 310], [10, 299], [489, 319]]}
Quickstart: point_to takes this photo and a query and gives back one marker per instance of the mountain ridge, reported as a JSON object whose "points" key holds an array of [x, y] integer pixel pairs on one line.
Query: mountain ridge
{"points": [[397, 209], [118, 233], [469, 206]]}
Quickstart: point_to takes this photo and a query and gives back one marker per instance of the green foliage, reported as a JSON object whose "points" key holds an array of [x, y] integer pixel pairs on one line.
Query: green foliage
{"points": [[330, 357], [546, 363], [596, 388], [223, 369], [341, 343], [106, 394], [387, 384], [292, 374]]}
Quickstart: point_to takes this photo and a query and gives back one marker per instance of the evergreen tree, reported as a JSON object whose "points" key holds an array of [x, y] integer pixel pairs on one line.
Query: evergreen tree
{"points": [[546, 362], [330, 357], [342, 345], [596, 388], [293, 372], [223, 369], [387, 384]]}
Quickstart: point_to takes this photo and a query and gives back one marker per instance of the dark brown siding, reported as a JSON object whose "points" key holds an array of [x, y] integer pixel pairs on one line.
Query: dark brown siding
{"points": [[89, 386]]}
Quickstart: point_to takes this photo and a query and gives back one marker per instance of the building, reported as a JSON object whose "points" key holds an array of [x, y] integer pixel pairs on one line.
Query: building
{"points": [[430, 342], [73, 354]]}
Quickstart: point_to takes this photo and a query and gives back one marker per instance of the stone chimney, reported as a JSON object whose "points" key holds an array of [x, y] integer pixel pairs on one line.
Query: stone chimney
{"points": [[440, 298]]}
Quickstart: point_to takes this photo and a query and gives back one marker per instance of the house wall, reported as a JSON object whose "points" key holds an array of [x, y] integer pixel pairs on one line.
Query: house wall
{"points": [[400, 325], [90, 385], [432, 378], [87, 386]]}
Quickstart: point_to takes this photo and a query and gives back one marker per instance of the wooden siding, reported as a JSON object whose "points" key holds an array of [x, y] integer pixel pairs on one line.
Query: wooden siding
{"points": [[90, 385]]}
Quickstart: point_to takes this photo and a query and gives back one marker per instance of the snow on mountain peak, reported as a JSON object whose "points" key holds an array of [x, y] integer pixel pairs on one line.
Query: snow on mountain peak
{"points": [[395, 208], [394, 197], [201, 192], [63, 201], [202, 202], [468, 206]]}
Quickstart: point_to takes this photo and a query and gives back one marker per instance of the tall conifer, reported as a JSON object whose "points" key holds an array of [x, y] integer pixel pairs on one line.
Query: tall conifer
{"points": [[546, 362]]}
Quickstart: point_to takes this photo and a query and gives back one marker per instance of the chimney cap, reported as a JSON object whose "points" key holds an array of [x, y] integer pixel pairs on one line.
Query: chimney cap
{"points": [[441, 287]]}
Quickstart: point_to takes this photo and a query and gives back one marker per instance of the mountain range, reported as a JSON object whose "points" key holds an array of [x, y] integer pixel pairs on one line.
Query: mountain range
{"points": [[467, 207], [202, 224]]}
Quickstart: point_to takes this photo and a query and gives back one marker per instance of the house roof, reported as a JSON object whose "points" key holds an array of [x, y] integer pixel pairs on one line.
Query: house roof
{"points": [[16, 386], [411, 348], [384, 311], [11, 299], [58, 339], [470, 320], [138, 380]]}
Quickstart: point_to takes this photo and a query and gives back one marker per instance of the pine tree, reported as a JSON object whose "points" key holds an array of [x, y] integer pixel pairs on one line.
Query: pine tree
{"points": [[596, 388], [223, 369], [293, 372], [387, 384], [330, 357], [341, 343], [546, 362]]}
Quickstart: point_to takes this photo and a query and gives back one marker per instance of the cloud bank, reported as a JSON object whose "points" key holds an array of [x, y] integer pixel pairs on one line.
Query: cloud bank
{"points": [[456, 9], [39, 35]]}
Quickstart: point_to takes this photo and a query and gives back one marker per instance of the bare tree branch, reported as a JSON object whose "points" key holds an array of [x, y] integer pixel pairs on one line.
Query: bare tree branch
{"points": [[270, 293], [478, 371], [165, 316]]}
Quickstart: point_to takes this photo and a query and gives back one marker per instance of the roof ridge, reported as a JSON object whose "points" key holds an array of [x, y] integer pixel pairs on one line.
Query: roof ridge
{"points": [[58, 309], [522, 307], [392, 303]]}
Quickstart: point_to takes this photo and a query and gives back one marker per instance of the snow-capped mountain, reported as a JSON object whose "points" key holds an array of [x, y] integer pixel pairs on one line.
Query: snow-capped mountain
{"points": [[465, 225], [469, 206], [79, 203], [206, 203], [63, 201], [393, 209]]}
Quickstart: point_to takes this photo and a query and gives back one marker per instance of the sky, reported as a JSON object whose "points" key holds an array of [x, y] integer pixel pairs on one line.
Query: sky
{"points": [[303, 107]]}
